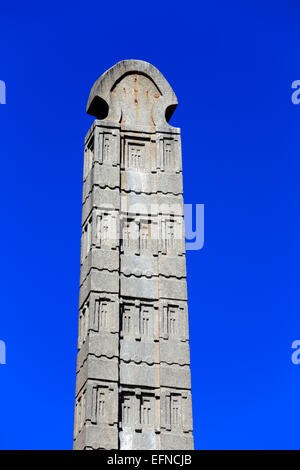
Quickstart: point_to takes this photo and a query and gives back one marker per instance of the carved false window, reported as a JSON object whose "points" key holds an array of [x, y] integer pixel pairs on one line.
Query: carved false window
{"points": [[172, 326], [168, 156], [146, 418], [135, 157], [86, 239], [101, 320], [78, 415], [145, 238], [175, 411], [88, 158], [105, 230], [101, 407], [146, 320], [103, 315], [83, 324], [126, 235], [127, 319], [106, 149], [101, 403], [146, 403], [170, 321], [83, 400], [127, 410], [98, 230], [170, 235], [130, 238], [80, 412]]}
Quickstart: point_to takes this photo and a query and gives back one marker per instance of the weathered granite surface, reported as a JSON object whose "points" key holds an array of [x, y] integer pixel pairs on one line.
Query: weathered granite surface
{"points": [[133, 387]]}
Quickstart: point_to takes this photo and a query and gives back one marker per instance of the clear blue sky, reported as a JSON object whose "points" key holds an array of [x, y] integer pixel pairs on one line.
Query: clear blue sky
{"points": [[231, 66]]}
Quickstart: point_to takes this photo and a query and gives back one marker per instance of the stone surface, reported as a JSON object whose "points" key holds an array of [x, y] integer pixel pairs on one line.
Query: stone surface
{"points": [[133, 386]]}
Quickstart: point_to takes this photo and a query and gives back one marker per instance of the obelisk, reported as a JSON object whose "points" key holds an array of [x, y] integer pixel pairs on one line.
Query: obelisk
{"points": [[133, 385]]}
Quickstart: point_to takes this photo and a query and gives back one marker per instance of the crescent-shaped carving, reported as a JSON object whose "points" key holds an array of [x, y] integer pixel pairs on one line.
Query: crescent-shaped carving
{"points": [[132, 92]]}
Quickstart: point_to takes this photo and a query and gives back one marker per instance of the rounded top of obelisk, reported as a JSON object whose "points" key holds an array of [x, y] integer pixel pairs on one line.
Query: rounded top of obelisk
{"points": [[132, 92]]}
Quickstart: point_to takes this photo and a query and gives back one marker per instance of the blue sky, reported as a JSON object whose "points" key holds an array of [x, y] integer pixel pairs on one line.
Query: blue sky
{"points": [[231, 65]]}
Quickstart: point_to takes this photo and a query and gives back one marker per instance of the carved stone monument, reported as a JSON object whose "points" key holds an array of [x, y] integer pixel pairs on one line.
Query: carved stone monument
{"points": [[133, 386]]}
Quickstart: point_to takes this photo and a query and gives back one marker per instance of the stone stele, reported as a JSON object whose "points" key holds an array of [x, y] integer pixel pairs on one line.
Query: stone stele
{"points": [[133, 385]]}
